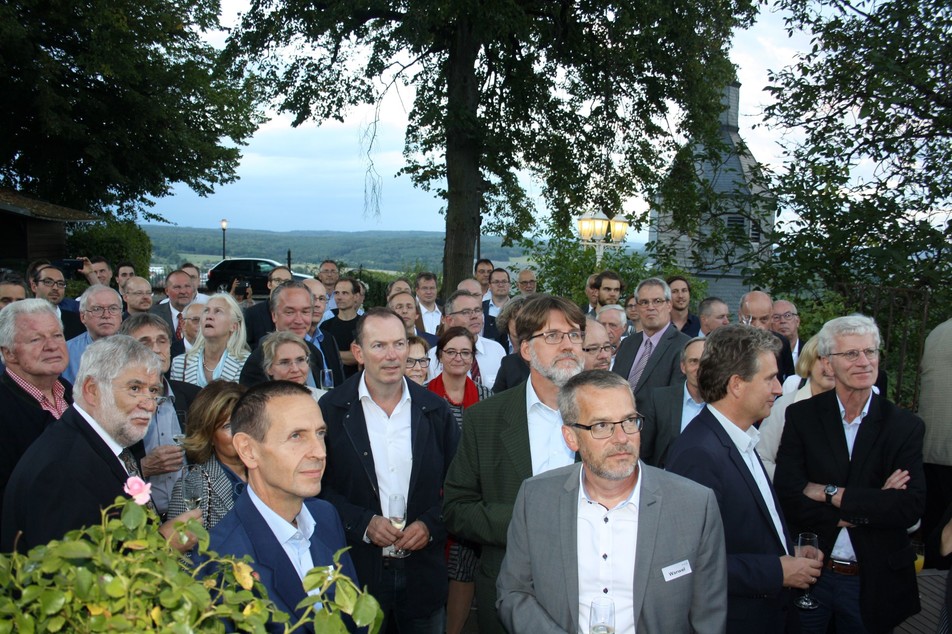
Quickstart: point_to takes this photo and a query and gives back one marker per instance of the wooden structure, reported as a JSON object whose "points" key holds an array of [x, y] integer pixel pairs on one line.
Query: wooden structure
{"points": [[31, 229]]}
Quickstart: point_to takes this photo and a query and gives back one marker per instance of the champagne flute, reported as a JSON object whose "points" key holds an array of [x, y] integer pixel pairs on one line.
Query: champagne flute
{"points": [[397, 515], [327, 379], [192, 487], [808, 546], [601, 619]]}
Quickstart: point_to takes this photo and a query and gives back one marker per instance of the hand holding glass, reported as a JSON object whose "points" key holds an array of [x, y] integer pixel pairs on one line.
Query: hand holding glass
{"points": [[808, 546], [398, 519]]}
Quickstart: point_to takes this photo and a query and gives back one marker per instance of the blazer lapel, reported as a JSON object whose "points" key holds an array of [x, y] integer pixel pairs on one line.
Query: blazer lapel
{"points": [[419, 436], [515, 436], [648, 519], [355, 426], [568, 531], [100, 447], [829, 412], [656, 354]]}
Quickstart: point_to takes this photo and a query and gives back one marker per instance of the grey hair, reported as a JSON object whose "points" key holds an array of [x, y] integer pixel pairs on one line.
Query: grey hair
{"points": [[140, 320], [655, 281], [275, 298], [237, 344], [272, 341], [598, 379], [607, 307], [855, 324], [450, 304], [684, 350], [8, 317], [105, 359], [92, 290]]}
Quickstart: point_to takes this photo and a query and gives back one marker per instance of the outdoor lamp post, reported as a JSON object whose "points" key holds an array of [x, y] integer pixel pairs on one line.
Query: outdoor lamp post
{"points": [[596, 230], [224, 227]]}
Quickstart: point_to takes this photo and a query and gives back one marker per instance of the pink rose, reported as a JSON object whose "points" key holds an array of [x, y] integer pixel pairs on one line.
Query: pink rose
{"points": [[138, 489]]}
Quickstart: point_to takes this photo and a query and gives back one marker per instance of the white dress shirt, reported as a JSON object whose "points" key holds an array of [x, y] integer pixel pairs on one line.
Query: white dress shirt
{"points": [[689, 408], [843, 547], [547, 447], [431, 318], [294, 540], [114, 447]]}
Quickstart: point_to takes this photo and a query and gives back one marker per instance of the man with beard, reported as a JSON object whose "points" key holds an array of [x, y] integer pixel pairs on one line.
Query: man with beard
{"points": [[511, 437], [618, 512], [80, 464]]}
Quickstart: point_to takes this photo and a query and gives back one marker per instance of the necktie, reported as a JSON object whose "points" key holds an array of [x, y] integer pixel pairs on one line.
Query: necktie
{"points": [[637, 369], [178, 327], [474, 371], [129, 462]]}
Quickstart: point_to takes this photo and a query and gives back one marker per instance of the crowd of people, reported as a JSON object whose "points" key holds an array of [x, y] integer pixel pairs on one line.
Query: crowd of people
{"points": [[503, 444]]}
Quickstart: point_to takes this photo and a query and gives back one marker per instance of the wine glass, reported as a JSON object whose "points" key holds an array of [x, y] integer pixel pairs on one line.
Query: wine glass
{"points": [[327, 379], [808, 546], [398, 519], [193, 489], [601, 619]]}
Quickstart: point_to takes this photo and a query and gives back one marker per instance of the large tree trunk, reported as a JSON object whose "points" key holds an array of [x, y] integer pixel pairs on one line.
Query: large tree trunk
{"points": [[462, 158]]}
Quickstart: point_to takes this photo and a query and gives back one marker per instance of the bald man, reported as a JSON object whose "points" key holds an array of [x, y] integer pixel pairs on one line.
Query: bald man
{"points": [[756, 309]]}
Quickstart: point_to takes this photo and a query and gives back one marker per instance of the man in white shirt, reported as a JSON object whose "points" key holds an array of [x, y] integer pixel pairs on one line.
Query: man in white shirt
{"points": [[466, 310], [481, 271], [621, 548], [430, 313]]}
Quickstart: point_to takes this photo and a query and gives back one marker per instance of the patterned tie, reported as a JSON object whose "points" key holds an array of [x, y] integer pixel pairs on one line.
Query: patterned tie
{"points": [[178, 327], [637, 370], [129, 462], [474, 371]]}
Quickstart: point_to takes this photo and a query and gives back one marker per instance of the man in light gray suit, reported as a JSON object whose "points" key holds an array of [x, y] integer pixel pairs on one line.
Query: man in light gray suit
{"points": [[651, 541]]}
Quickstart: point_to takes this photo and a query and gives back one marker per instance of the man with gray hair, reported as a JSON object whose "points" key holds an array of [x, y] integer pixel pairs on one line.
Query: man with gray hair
{"points": [[100, 310], [849, 469], [462, 308], [32, 394], [79, 466]]}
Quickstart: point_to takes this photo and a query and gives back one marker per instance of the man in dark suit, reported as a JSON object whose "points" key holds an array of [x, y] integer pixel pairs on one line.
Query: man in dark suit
{"points": [[277, 512], [32, 394], [49, 283], [652, 358], [499, 287], [291, 307], [388, 436], [80, 464], [513, 370], [738, 380], [258, 320], [850, 470], [681, 315], [511, 437], [180, 290], [668, 410], [756, 309]]}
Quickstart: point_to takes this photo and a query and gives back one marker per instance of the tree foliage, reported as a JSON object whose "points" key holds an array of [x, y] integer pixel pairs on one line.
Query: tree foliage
{"points": [[585, 97], [107, 103], [115, 240]]}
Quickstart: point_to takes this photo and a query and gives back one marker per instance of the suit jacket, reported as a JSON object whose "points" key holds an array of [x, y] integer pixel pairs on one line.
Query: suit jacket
{"points": [[22, 421], [62, 482], [813, 449], [784, 358], [664, 364], [491, 463], [252, 373], [489, 322], [244, 532], [756, 598], [513, 370], [678, 521], [350, 484], [165, 312], [258, 323], [662, 413]]}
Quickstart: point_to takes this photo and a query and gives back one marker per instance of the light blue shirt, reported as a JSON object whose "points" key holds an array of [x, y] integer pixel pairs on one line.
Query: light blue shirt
{"points": [[843, 547], [294, 540], [76, 347], [547, 447], [689, 408], [163, 426]]}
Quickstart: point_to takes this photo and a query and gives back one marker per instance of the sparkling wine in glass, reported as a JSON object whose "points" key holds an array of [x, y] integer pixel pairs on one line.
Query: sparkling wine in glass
{"points": [[601, 619], [808, 546], [192, 488], [397, 514]]}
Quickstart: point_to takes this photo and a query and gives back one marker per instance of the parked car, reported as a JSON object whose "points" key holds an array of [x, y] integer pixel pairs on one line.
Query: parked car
{"points": [[253, 271]]}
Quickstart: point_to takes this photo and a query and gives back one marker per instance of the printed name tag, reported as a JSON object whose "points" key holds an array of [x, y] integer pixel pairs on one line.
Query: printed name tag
{"points": [[676, 570]]}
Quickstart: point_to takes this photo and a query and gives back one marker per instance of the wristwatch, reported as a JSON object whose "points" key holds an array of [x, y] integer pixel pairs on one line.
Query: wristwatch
{"points": [[830, 490]]}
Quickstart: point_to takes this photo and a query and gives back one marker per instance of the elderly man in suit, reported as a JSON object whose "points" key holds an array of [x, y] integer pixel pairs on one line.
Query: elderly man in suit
{"points": [[668, 410], [80, 464], [258, 321], [756, 309], [513, 436], [276, 519], [651, 358], [388, 436], [618, 512], [180, 290], [849, 469], [738, 380]]}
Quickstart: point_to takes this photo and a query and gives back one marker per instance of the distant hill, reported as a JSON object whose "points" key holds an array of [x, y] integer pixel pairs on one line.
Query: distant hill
{"points": [[385, 250]]}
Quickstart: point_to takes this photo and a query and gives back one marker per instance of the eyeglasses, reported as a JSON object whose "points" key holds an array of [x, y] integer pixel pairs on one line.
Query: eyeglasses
{"points": [[657, 301], [787, 316], [596, 349], [555, 337], [193, 320], [468, 312], [143, 394], [49, 281], [421, 361], [286, 364], [99, 311], [600, 431], [853, 355], [526, 282], [465, 355]]}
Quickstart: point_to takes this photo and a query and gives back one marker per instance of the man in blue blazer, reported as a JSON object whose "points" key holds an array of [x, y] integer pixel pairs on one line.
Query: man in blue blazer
{"points": [[279, 434], [738, 380]]}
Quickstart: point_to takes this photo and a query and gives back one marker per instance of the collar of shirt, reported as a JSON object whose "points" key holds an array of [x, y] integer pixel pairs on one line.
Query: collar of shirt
{"points": [[745, 440], [656, 338], [688, 400], [114, 447], [862, 415], [532, 400], [58, 405], [283, 530], [364, 393], [634, 497], [426, 311]]}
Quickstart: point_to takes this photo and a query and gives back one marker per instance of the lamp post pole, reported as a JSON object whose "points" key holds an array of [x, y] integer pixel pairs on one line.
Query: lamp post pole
{"points": [[224, 227]]}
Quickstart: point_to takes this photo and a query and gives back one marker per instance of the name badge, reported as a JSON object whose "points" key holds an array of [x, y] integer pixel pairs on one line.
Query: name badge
{"points": [[676, 570]]}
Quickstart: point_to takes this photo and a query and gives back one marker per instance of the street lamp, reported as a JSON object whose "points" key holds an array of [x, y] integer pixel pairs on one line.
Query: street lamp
{"points": [[596, 230], [224, 227]]}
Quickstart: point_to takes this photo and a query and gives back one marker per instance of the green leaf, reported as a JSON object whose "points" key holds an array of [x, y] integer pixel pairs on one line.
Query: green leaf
{"points": [[55, 624], [133, 516], [52, 601], [24, 623], [115, 587], [345, 596], [366, 610], [72, 550], [327, 622], [83, 583]]}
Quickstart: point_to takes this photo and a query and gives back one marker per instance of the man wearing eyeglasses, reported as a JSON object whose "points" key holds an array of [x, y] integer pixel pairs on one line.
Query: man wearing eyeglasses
{"points": [[526, 281], [602, 529], [499, 288], [785, 320], [850, 470], [137, 293], [651, 358], [462, 308], [100, 310], [48, 282], [597, 346], [513, 436], [80, 464]]}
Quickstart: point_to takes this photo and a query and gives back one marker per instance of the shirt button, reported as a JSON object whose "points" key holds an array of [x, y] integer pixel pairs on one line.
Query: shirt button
{"points": [[605, 556], [605, 520], [605, 590]]}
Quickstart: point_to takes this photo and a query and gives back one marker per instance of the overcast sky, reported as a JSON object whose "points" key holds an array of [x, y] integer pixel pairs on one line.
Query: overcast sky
{"points": [[313, 178]]}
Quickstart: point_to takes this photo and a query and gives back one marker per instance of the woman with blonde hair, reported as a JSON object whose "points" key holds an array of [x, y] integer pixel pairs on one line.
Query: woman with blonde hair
{"points": [[220, 348], [286, 357]]}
